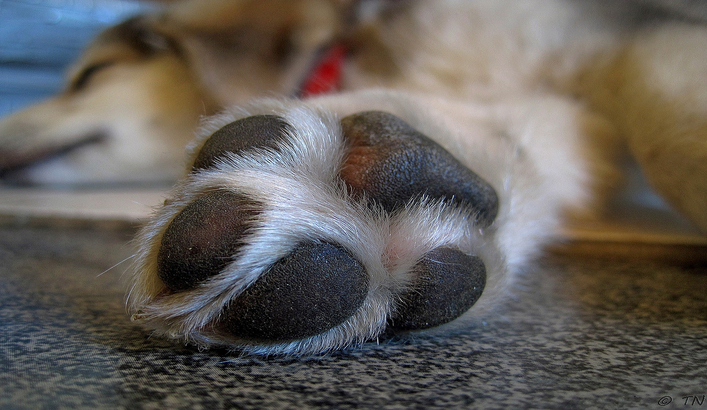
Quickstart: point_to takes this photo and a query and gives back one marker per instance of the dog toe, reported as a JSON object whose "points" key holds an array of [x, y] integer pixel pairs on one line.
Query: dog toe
{"points": [[313, 289], [258, 131], [448, 283], [201, 240], [391, 163]]}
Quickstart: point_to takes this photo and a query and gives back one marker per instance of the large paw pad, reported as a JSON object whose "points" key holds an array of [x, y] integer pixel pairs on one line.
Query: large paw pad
{"points": [[392, 163]]}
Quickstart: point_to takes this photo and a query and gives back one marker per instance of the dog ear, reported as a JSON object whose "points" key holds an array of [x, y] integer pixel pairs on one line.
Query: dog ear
{"points": [[239, 49], [132, 40], [140, 35]]}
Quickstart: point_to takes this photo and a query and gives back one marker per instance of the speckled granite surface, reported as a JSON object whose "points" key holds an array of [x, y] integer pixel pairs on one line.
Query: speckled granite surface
{"points": [[577, 333]]}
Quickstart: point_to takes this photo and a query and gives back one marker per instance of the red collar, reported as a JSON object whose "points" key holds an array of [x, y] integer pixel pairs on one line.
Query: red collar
{"points": [[324, 76]]}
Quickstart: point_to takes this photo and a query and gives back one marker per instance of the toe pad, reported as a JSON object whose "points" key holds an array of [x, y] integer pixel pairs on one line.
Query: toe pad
{"points": [[313, 289], [259, 131], [448, 283], [203, 238]]}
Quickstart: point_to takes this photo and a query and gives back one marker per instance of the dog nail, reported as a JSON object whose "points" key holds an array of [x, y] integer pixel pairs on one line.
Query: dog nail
{"points": [[261, 131], [313, 289], [448, 283], [391, 163], [202, 239]]}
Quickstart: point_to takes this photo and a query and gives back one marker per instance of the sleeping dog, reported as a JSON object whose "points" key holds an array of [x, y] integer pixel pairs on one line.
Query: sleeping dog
{"points": [[374, 165]]}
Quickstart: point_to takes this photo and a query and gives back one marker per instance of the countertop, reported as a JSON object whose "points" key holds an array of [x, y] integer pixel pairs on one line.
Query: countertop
{"points": [[575, 332]]}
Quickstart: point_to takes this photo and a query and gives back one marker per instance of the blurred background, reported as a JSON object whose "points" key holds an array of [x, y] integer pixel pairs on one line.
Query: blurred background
{"points": [[40, 38]]}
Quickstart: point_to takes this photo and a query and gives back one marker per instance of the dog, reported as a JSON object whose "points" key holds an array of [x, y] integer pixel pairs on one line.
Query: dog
{"points": [[451, 141]]}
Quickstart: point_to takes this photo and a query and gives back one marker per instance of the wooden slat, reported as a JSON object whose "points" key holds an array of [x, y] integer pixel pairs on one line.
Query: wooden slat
{"points": [[122, 208], [636, 232], [643, 233]]}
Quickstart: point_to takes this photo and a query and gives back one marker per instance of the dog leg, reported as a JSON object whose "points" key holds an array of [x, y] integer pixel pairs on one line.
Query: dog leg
{"points": [[656, 93], [303, 227]]}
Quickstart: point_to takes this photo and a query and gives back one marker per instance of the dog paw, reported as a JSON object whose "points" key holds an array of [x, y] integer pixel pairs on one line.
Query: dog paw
{"points": [[299, 232]]}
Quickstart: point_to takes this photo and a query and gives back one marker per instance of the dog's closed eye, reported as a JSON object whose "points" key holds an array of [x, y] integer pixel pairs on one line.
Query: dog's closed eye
{"points": [[82, 79]]}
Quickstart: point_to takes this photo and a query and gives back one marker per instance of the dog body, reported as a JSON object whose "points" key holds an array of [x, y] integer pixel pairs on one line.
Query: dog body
{"points": [[531, 105]]}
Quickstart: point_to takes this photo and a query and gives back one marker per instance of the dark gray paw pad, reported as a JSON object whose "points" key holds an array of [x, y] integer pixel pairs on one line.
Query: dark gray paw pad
{"points": [[391, 163], [313, 289], [260, 131], [202, 239], [448, 283]]}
